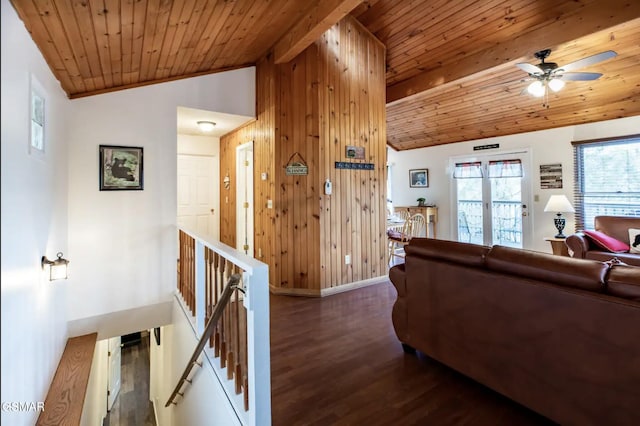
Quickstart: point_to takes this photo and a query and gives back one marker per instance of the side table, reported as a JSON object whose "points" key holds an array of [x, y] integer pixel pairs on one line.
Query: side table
{"points": [[558, 246]]}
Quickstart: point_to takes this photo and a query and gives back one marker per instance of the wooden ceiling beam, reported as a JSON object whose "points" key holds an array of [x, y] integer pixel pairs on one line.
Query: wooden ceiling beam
{"points": [[318, 18], [596, 16]]}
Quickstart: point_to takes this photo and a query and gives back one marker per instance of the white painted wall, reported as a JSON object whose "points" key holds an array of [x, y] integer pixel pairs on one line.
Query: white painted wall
{"points": [[547, 147], [124, 243], [34, 223], [205, 401], [199, 145]]}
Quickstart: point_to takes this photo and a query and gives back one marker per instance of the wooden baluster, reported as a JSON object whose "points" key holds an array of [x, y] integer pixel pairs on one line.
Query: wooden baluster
{"points": [[215, 336], [233, 347], [193, 276], [207, 284], [183, 267], [222, 322], [180, 260], [246, 394], [190, 275], [239, 348]]}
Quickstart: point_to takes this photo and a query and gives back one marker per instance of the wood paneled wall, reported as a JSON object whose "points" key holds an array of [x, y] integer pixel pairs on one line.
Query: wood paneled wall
{"points": [[329, 97], [352, 112]]}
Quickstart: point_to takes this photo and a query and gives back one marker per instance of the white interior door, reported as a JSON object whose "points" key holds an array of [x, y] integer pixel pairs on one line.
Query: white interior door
{"points": [[244, 197], [114, 364], [492, 199], [198, 194]]}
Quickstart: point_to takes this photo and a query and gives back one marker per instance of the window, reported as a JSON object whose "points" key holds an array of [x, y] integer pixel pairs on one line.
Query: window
{"points": [[607, 180]]}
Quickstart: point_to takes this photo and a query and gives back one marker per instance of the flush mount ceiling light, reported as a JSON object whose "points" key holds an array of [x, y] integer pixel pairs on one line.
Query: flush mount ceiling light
{"points": [[206, 126]]}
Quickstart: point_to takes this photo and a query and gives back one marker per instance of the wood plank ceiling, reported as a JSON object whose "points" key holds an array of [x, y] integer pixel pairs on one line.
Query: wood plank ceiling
{"points": [[451, 73]]}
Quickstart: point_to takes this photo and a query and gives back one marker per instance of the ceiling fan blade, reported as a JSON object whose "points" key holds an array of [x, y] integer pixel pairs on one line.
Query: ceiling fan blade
{"points": [[528, 68], [589, 60], [579, 76]]}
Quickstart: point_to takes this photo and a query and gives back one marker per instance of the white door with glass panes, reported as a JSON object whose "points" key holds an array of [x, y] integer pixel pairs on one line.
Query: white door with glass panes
{"points": [[492, 198]]}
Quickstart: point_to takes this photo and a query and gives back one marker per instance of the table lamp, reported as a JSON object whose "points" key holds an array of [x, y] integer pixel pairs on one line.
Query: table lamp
{"points": [[559, 204]]}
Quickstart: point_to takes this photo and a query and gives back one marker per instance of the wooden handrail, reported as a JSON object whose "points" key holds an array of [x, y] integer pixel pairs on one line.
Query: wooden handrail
{"points": [[65, 398], [225, 297]]}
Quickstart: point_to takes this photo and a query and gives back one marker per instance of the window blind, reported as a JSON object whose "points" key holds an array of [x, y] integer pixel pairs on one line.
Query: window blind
{"points": [[607, 179]]}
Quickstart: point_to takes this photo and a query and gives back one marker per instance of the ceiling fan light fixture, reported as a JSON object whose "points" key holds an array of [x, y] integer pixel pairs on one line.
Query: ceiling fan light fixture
{"points": [[536, 89], [206, 126], [556, 84]]}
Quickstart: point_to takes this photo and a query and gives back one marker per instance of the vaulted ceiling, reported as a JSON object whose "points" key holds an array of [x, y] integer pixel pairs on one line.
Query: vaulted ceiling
{"points": [[451, 64]]}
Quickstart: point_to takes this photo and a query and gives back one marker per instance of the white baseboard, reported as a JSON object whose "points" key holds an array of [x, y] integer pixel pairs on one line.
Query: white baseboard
{"points": [[305, 292]]}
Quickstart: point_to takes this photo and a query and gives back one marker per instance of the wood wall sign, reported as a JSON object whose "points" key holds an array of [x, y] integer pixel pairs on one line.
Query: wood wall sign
{"points": [[296, 168]]}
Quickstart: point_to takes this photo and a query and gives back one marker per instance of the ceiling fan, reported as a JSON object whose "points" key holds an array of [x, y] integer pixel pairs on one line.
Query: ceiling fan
{"points": [[548, 75]]}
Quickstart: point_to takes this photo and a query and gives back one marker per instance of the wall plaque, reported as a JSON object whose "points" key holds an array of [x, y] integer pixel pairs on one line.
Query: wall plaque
{"points": [[355, 166], [491, 146], [296, 167]]}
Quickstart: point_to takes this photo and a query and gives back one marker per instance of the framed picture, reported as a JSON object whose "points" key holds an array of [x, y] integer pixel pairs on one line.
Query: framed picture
{"points": [[356, 152], [120, 168], [37, 115], [419, 178]]}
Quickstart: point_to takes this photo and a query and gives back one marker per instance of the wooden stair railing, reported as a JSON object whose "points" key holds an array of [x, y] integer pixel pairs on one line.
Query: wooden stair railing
{"points": [[225, 297], [65, 398]]}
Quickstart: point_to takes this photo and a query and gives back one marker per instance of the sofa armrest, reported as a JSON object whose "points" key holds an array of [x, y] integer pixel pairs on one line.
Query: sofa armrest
{"points": [[578, 245], [399, 313]]}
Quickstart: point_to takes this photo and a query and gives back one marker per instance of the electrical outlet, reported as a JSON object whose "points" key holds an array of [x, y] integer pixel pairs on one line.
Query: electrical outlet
{"points": [[259, 252], [347, 259], [536, 198], [269, 204]]}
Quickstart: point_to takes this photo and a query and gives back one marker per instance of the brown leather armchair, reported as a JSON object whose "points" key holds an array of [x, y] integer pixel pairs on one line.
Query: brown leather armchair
{"points": [[582, 247]]}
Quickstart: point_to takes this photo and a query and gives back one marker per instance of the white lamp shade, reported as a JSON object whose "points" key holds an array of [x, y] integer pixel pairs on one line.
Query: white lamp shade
{"points": [[536, 89], [559, 204], [556, 84]]}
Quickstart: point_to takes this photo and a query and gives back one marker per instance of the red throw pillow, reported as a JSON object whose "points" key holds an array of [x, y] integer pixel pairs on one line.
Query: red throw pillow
{"points": [[607, 242]]}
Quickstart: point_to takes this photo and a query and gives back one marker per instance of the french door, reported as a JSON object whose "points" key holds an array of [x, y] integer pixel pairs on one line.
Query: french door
{"points": [[492, 199]]}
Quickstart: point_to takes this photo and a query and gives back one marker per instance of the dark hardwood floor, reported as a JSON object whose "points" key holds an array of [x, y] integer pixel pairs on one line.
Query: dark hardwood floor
{"points": [[132, 406], [337, 361]]}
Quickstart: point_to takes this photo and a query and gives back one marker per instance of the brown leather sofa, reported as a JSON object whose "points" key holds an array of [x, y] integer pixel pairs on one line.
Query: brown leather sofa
{"points": [[582, 247], [556, 334]]}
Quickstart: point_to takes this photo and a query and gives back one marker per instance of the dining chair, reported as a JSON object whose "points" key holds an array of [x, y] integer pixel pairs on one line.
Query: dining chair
{"points": [[397, 239], [402, 214], [418, 225], [413, 227]]}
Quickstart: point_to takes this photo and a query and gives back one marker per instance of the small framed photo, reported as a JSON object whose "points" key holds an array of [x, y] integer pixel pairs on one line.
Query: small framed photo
{"points": [[356, 152], [419, 178], [121, 168]]}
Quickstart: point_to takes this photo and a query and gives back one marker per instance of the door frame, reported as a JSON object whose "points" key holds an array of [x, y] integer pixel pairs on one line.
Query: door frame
{"points": [[525, 154], [245, 186]]}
